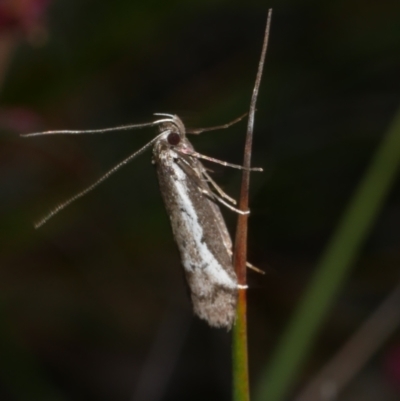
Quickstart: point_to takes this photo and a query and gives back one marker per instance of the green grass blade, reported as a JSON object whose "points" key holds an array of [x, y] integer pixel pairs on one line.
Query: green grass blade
{"points": [[241, 390], [333, 267]]}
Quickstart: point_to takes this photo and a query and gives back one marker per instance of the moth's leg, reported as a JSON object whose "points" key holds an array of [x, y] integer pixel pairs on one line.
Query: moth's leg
{"points": [[189, 152], [218, 188], [256, 269], [195, 175], [218, 198], [249, 265]]}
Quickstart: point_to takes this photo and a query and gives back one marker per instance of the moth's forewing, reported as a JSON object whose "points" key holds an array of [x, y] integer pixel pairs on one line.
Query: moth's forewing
{"points": [[200, 233]]}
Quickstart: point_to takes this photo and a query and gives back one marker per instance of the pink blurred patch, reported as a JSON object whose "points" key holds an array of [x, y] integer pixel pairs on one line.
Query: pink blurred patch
{"points": [[392, 366], [19, 120], [22, 15]]}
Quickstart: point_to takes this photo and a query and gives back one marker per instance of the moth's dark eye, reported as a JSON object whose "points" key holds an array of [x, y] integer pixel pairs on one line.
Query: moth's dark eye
{"points": [[173, 138]]}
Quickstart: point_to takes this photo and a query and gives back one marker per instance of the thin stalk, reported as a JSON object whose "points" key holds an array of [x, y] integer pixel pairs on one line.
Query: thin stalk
{"points": [[241, 390]]}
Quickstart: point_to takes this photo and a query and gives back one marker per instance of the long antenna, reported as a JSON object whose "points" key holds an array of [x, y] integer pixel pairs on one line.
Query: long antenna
{"points": [[98, 131], [64, 204]]}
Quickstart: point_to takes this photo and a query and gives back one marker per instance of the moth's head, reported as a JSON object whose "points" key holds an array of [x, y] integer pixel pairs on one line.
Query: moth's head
{"points": [[174, 130]]}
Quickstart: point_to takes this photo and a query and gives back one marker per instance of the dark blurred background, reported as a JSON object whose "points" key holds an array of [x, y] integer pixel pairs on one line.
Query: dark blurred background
{"points": [[93, 304]]}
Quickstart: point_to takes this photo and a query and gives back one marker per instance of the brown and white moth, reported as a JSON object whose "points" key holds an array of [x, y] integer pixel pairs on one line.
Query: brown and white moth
{"points": [[198, 226], [190, 196]]}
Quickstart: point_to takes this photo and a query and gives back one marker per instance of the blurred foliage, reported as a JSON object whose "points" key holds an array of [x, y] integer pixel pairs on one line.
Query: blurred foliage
{"points": [[94, 303], [334, 267]]}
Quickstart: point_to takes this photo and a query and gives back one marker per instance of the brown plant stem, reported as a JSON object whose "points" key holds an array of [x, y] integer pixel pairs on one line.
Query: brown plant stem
{"points": [[240, 354]]}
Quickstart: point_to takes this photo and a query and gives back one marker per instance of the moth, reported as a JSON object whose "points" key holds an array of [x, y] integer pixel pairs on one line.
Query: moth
{"points": [[190, 196], [199, 229]]}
